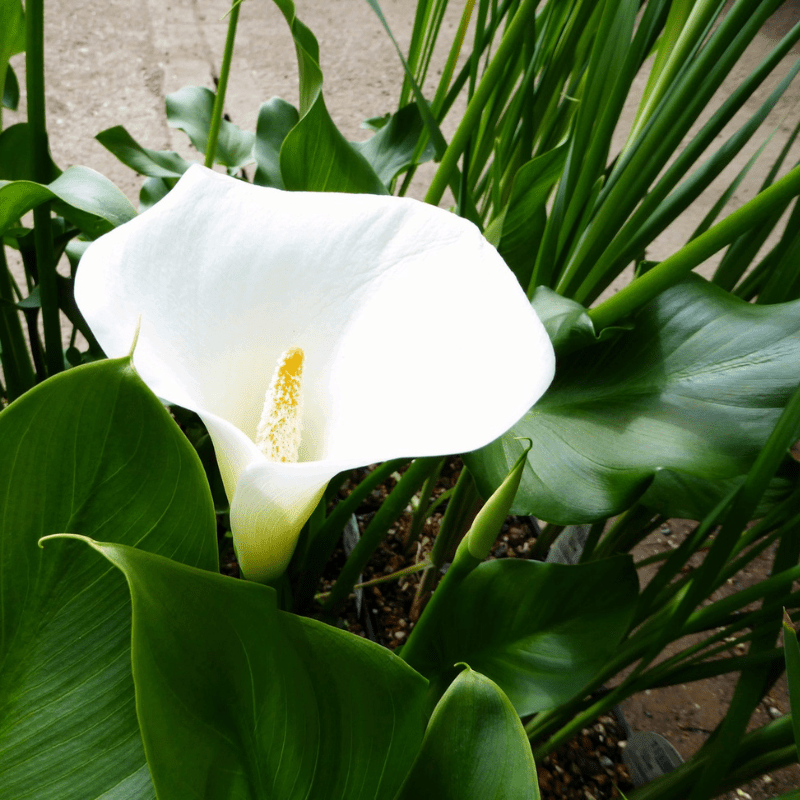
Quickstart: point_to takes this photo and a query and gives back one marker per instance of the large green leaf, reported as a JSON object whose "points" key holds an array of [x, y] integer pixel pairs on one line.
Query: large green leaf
{"points": [[276, 118], [791, 650], [85, 197], [239, 701], [314, 155], [189, 109], [474, 748], [531, 627], [695, 388], [91, 450], [392, 148]]}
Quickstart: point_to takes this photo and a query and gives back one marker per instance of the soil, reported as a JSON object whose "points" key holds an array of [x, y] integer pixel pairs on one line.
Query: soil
{"points": [[592, 763], [112, 63]]}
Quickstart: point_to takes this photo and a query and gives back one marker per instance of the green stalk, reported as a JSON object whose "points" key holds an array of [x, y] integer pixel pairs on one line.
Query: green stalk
{"points": [[680, 264], [459, 514], [409, 484], [507, 50], [16, 361], [322, 541], [43, 240], [222, 85]]}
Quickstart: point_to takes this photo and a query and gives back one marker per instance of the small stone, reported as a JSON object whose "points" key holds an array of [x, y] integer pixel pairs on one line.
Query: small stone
{"points": [[606, 762], [399, 635], [775, 712]]}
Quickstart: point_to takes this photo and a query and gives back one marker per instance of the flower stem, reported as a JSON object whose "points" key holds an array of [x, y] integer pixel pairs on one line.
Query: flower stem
{"points": [[507, 50], [16, 361], [222, 85], [43, 240]]}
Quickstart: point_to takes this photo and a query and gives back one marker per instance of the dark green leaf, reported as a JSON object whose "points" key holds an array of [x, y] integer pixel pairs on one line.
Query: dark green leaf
{"points": [[474, 748], [276, 118], [153, 190], [92, 451], [677, 494], [12, 41], [16, 155], [314, 155], [525, 215], [153, 163], [86, 198], [695, 388], [189, 109], [531, 627], [791, 650], [391, 149], [566, 322], [239, 701], [11, 90]]}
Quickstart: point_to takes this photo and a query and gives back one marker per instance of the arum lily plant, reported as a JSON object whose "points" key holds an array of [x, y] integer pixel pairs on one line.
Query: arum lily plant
{"points": [[287, 322]]}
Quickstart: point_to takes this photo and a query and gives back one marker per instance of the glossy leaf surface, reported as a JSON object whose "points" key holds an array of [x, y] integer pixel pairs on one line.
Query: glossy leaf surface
{"points": [[475, 747], [694, 388], [189, 110], [87, 198], [239, 701], [540, 631], [314, 155], [391, 149], [91, 451], [276, 118], [153, 163]]}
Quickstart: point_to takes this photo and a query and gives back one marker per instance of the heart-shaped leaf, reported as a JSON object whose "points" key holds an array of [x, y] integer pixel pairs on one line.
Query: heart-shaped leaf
{"points": [[475, 747], [240, 701], [91, 450], [530, 627], [695, 388]]}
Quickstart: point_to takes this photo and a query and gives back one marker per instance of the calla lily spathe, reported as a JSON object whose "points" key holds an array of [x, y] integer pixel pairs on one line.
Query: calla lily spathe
{"points": [[417, 338]]}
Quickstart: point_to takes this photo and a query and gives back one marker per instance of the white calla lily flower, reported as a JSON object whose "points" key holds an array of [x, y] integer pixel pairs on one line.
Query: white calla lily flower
{"points": [[399, 330]]}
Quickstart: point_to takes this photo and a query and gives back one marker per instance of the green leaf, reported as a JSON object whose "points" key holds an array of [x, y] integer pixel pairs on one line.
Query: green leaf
{"points": [[11, 90], [276, 118], [189, 110], [12, 41], [153, 163], [677, 494], [526, 215], [93, 451], [86, 198], [315, 156], [391, 150], [791, 650], [695, 388], [531, 627], [16, 155], [239, 701], [474, 748], [567, 322]]}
